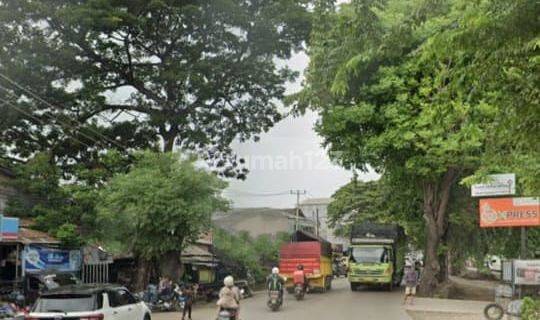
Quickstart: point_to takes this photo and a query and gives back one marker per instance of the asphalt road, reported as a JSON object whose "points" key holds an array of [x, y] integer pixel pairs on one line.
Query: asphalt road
{"points": [[340, 303]]}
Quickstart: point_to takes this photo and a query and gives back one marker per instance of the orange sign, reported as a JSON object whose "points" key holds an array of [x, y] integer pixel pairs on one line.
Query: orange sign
{"points": [[509, 212]]}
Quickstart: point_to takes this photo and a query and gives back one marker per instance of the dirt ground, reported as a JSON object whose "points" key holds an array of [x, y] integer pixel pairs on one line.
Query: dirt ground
{"points": [[467, 289]]}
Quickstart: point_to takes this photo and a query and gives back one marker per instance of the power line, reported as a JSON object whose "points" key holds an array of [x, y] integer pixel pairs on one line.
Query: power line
{"points": [[35, 95], [9, 104], [52, 118], [253, 194]]}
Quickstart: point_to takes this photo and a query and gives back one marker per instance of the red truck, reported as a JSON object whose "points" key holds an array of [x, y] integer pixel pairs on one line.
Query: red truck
{"points": [[314, 254]]}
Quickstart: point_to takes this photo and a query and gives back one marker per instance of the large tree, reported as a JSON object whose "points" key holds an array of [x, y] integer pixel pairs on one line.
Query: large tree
{"points": [[396, 85], [195, 74], [159, 206]]}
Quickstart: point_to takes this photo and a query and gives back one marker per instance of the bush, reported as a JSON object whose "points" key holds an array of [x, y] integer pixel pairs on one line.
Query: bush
{"points": [[240, 253], [530, 309]]}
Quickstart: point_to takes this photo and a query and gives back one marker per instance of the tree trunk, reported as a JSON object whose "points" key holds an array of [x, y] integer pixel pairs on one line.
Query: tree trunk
{"points": [[170, 265], [168, 143], [143, 274], [444, 261], [436, 197], [432, 267]]}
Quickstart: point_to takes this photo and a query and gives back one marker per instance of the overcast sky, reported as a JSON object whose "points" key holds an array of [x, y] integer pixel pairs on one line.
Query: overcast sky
{"points": [[289, 156]]}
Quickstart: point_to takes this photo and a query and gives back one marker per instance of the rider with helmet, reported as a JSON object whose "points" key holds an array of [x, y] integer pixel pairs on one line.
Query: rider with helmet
{"points": [[275, 282], [229, 298], [299, 277]]}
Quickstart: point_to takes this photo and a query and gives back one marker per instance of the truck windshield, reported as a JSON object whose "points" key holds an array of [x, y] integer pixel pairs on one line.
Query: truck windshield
{"points": [[370, 255], [66, 303]]}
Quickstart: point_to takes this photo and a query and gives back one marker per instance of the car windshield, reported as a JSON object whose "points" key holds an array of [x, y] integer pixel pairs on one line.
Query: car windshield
{"points": [[370, 255], [66, 303]]}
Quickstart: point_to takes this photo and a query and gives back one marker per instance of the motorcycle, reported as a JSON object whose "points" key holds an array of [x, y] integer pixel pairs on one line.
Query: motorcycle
{"points": [[227, 314], [245, 290], [173, 301], [299, 291], [274, 300]]}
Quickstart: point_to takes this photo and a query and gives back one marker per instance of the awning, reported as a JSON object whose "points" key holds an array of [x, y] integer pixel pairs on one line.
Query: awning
{"points": [[29, 236]]}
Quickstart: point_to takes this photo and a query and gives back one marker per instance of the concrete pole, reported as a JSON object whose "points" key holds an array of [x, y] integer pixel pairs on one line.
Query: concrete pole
{"points": [[317, 221], [523, 251], [298, 193]]}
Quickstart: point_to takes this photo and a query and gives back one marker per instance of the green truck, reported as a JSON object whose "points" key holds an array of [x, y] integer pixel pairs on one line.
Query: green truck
{"points": [[376, 255]]}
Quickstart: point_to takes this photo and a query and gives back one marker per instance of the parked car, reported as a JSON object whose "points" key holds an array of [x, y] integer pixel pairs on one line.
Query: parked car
{"points": [[89, 302]]}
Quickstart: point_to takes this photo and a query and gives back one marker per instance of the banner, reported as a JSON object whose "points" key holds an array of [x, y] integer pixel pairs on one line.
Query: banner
{"points": [[38, 258], [498, 185], [509, 212], [527, 272]]}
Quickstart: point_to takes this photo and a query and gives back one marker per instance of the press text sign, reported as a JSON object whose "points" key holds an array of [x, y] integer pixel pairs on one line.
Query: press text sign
{"points": [[509, 212]]}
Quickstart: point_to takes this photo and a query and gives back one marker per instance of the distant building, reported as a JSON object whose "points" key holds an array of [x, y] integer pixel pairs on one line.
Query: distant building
{"points": [[259, 221], [316, 209]]}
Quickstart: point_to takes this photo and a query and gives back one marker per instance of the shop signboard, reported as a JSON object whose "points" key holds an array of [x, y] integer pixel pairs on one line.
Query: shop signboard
{"points": [[41, 258], [509, 212], [497, 185], [527, 272], [9, 228]]}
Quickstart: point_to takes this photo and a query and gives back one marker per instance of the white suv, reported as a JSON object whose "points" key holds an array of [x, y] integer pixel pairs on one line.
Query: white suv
{"points": [[89, 302]]}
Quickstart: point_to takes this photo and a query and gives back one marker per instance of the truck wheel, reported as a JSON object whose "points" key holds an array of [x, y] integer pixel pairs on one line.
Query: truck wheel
{"points": [[390, 286], [354, 287]]}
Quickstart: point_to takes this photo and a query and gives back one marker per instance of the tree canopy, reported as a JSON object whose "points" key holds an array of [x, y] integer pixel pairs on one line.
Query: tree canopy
{"points": [[159, 206], [139, 74], [405, 87]]}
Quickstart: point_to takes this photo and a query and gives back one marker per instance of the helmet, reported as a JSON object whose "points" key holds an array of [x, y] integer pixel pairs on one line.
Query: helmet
{"points": [[300, 267], [275, 270], [228, 281]]}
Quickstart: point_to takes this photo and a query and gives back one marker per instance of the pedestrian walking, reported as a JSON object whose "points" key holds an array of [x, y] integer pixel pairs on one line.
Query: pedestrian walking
{"points": [[187, 294], [411, 282]]}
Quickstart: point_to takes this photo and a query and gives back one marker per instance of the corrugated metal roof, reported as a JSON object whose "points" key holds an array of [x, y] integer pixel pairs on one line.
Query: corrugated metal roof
{"points": [[195, 250], [29, 236], [198, 255]]}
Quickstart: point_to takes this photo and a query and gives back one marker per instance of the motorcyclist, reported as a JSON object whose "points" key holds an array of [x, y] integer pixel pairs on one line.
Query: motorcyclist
{"points": [[299, 277], [229, 298], [275, 282]]}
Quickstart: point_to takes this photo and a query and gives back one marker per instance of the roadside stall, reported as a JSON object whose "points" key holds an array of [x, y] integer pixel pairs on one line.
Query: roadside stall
{"points": [[32, 261]]}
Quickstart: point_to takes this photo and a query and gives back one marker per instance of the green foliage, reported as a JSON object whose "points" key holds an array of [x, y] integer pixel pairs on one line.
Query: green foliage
{"points": [[381, 201], [241, 253], [63, 209], [355, 202], [160, 205], [530, 310], [196, 74], [407, 87], [68, 235]]}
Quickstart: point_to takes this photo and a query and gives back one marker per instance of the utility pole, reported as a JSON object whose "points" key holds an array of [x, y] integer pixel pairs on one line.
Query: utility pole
{"points": [[298, 193], [317, 222]]}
